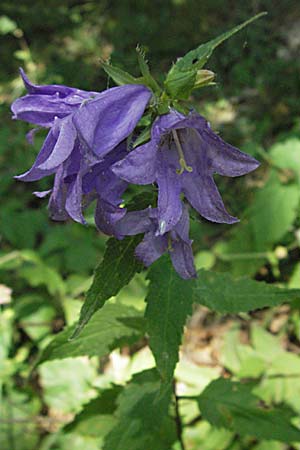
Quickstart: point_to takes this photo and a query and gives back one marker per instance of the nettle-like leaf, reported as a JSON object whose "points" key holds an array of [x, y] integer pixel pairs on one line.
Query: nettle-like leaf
{"points": [[169, 302], [181, 78], [109, 328], [170, 299], [222, 293], [258, 233], [142, 416], [96, 419], [228, 404], [117, 268]]}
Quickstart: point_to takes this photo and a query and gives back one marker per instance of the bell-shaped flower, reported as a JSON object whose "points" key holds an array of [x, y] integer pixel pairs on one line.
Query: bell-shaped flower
{"points": [[112, 114], [82, 168], [77, 184], [182, 157], [176, 241]]}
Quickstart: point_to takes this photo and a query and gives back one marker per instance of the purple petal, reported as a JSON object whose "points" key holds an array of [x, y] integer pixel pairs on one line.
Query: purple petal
{"points": [[53, 89], [63, 147], [182, 228], [169, 202], [225, 159], [73, 200], [135, 222], [151, 248], [35, 173], [57, 199], [203, 195], [31, 135], [42, 194], [183, 260], [108, 119], [40, 109], [139, 166], [106, 217]]}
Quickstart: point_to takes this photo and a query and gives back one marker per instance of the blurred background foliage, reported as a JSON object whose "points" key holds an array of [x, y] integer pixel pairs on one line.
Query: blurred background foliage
{"points": [[46, 267]]}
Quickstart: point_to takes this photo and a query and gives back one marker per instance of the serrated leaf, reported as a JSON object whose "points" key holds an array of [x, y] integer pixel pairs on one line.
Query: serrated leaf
{"points": [[119, 76], [228, 404], [117, 268], [169, 302], [181, 78], [96, 418], [107, 330], [221, 292], [142, 416]]}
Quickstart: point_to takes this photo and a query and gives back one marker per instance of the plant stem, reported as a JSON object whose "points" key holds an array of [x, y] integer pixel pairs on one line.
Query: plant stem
{"points": [[178, 419]]}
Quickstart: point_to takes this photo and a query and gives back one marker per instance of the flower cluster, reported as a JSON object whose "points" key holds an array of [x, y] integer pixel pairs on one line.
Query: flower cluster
{"points": [[86, 149]]}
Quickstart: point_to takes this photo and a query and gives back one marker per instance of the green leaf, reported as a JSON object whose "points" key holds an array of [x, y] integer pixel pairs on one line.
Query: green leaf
{"points": [[257, 233], [142, 416], [107, 330], [119, 76], [96, 419], [117, 268], [182, 76], [67, 384], [147, 77], [286, 154], [221, 292], [169, 302], [228, 404]]}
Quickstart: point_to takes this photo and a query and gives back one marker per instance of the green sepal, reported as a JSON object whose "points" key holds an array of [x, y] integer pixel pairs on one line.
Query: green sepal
{"points": [[119, 76], [181, 78], [144, 67]]}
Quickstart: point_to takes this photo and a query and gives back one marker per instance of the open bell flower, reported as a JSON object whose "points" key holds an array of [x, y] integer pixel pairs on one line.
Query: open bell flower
{"points": [[182, 157], [81, 168], [176, 241]]}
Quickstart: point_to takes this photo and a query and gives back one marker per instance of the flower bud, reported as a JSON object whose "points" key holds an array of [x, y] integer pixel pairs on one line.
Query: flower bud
{"points": [[203, 78]]}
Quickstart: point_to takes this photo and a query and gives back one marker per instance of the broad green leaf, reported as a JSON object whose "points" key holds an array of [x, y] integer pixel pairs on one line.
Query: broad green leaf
{"points": [[232, 405], [205, 437], [169, 302], [286, 154], [119, 76], [182, 76], [96, 419], [257, 233], [109, 327], [67, 384], [117, 268], [281, 381], [142, 416], [221, 292]]}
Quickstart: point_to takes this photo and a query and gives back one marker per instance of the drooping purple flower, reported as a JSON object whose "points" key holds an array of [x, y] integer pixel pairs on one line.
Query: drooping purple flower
{"points": [[81, 168], [77, 184], [176, 241], [181, 157]]}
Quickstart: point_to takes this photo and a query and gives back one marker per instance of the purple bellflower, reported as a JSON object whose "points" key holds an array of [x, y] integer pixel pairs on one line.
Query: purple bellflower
{"points": [[176, 242], [181, 157], [81, 166]]}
